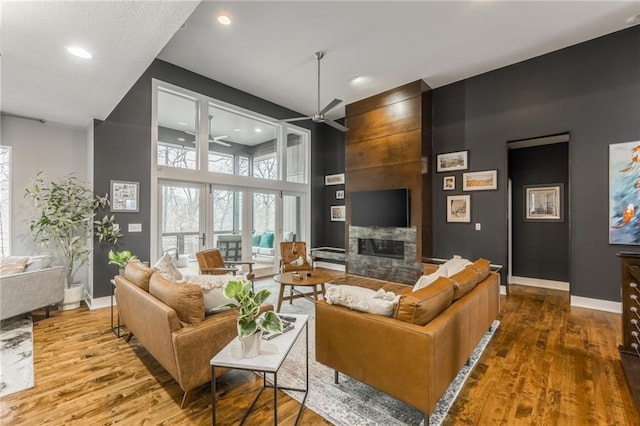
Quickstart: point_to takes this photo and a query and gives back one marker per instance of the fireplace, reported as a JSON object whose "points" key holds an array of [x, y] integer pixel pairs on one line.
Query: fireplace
{"points": [[382, 248]]}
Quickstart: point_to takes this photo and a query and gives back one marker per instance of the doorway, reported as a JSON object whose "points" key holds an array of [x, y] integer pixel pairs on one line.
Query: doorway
{"points": [[539, 212]]}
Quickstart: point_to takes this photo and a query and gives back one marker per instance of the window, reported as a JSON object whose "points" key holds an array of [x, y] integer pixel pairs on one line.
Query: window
{"points": [[5, 200], [177, 130]]}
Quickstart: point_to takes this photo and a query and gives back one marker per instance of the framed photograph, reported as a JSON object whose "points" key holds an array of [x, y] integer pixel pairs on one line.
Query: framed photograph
{"points": [[452, 161], [624, 181], [334, 179], [480, 181], [459, 208], [448, 183], [544, 203], [124, 196], [338, 213], [340, 195]]}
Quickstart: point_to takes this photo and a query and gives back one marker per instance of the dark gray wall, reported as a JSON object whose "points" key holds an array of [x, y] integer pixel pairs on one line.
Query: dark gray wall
{"points": [[122, 151], [540, 249], [592, 91]]}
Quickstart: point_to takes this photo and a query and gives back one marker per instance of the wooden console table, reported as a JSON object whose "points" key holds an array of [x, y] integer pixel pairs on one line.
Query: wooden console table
{"points": [[630, 348]]}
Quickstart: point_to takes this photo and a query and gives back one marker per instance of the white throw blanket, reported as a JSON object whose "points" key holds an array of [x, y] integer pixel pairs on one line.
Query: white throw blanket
{"points": [[363, 299]]}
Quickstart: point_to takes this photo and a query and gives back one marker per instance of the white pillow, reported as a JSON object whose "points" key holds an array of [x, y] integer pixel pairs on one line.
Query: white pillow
{"points": [[362, 299], [167, 269], [427, 280], [213, 290], [455, 265], [13, 265], [38, 262]]}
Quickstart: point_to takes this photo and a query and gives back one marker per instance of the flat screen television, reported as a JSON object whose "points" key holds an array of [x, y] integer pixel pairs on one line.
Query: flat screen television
{"points": [[387, 207]]}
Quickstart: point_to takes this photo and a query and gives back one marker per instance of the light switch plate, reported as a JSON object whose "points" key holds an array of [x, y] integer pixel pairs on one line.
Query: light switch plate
{"points": [[478, 226], [135, 227]]}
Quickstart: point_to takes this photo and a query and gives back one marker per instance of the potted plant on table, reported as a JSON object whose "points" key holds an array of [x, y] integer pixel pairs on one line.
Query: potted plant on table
{"points": [[120, 258], [250, 323], [66, 211]]}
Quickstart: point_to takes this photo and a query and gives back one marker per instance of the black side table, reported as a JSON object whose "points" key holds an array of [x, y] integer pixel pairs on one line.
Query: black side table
{"points": [[115, 327]]}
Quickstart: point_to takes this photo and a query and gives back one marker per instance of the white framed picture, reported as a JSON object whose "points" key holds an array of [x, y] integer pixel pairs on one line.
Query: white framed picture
{"points": [[337, 179], [124, 196], [448, 183], [452, 161], [480, 181], [543, 203], [459, 208], [340, 195], [338, 213]]}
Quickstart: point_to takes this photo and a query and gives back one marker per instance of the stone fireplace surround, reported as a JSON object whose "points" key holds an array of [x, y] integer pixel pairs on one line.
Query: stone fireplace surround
{"points": [[405, 270]]}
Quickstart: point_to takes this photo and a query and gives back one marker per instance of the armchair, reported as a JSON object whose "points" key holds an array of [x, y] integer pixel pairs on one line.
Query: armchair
{"points": [[293, 257], [211, 262]]}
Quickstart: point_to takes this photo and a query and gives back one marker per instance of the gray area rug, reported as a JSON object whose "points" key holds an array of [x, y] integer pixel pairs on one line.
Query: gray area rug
{"points": [[351, 402], [16, 355]]}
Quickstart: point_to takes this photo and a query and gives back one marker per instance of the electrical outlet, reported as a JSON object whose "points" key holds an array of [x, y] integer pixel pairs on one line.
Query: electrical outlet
{"points": [[478, 227], [116, 226], [135, 227]]}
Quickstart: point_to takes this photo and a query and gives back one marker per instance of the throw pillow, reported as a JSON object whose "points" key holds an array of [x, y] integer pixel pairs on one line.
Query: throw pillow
{"points": [[167, 268], [13, 265], [426, 280], [266, 241], [288, 236], [186, 299], [213, 290], [420, 307], [362, 299], [138, 274], [455, 265], [255, 240], [36, 263]]}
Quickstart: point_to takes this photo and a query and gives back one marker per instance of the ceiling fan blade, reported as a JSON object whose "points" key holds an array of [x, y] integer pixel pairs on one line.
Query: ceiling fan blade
{"points": [[219, 142], [335, 125], [334, 103], [296, 119]]}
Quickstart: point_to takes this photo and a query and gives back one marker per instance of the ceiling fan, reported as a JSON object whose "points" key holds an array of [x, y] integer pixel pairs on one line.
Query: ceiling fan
{"points": [[215, 139], [319, 116]]}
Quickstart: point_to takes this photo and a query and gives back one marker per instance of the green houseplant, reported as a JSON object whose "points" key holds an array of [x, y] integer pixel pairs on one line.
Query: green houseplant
{"points": [[120, 258], [250, 323], [65, 222]]}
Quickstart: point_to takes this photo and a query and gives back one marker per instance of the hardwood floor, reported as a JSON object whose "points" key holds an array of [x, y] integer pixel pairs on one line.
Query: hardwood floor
{"points": [[548, 364]]}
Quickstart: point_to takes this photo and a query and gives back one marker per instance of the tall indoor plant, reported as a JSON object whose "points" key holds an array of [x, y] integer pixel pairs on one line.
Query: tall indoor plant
{"points": [[250, 324], [65, 222]]}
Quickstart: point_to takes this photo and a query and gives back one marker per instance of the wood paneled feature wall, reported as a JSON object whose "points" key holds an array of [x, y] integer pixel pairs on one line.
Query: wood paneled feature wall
{"points": [[387, 146]]}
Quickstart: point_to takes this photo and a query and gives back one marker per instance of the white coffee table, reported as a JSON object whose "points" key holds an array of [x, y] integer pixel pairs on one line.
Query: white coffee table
{"points": [[272, 354]]}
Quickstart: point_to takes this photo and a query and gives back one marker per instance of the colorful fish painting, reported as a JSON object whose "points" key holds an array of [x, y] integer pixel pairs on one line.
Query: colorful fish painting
{"points": [[624, 193]]}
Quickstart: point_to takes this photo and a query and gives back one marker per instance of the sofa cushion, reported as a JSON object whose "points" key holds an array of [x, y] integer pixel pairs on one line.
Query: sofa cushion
{"points": [[167, 268], [35, 263], [483, 266], [255, 240], [266, 241], [464, 281], [13, 265], [186, 299], [213, 290], [420, 307], [138, 274]]}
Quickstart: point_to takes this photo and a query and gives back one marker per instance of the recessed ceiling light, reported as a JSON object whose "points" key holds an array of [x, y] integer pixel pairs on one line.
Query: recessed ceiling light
{"points": [[237, 130], [359, 80], [182, 123], [224, 19], [258, 130], [79, 52], [632, 20], [181, 139]]}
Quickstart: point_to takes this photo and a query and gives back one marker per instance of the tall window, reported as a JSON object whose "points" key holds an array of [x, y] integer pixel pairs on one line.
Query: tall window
{"points": [[177, 130], [5, 200]]}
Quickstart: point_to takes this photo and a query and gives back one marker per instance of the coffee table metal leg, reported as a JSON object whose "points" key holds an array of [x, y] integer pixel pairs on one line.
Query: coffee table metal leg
{"points": [[213, 395], [275, 398]]}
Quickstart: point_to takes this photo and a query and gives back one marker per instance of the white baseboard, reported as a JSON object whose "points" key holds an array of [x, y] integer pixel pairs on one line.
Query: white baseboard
{"points": [[100, 302], [503, 290], [598, 304], [537, 282], [328, 265]]}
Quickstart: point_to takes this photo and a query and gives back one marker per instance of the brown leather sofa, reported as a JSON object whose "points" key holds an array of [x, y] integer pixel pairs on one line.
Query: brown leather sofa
{"points": [[415, 355], [169, 320]]}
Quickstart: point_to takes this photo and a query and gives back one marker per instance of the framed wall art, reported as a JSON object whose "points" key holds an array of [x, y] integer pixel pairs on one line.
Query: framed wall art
{"points": [[338, 213], [480, 181], [334, 179], [340, 195], [125, 196], [448, 183], [459, 208], [544, 202], [624, 184], [452, 161]]}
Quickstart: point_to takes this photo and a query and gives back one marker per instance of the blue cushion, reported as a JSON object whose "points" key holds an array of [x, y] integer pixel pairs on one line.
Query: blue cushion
{"points": [[267, 240], [255, 240]]}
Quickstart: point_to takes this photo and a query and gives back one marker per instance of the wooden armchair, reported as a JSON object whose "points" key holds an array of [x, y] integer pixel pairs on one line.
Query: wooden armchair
{"points": [[293, 257], [211, 263]]}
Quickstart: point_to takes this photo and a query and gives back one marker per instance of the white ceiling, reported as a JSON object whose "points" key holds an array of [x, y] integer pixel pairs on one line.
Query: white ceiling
{"points": [[268, 49]]}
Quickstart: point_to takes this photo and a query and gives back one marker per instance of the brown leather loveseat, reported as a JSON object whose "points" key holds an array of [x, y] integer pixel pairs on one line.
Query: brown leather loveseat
{"points": [[414, 355], [169, 320]]}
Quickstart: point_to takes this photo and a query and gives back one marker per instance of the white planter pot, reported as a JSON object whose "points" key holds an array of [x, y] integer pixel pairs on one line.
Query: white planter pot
{"points": [[72, 297], [251, 345]]}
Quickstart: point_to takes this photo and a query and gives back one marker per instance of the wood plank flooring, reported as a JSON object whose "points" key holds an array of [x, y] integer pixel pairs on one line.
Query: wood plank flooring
{"points": [[548, 364]]}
